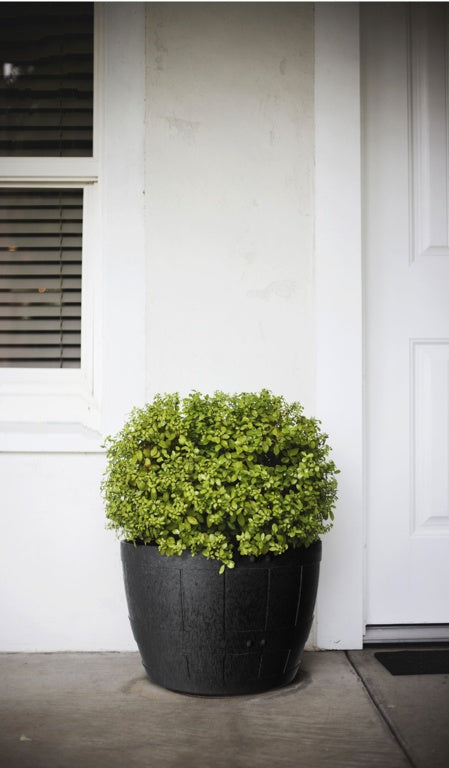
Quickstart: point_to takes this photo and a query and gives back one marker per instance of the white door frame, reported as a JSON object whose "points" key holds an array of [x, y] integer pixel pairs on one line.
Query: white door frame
{"points": [[339, 314]]}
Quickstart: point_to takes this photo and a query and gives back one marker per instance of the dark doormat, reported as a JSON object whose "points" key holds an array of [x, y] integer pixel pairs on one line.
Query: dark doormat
{"points": [[430, 662]]}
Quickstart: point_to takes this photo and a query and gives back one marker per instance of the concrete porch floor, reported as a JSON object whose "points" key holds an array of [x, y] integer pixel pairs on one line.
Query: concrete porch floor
{"points": [[95, 710]]}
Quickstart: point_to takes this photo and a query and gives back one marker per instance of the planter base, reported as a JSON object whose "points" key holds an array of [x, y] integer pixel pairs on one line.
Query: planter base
{"points": [[203, 633]]}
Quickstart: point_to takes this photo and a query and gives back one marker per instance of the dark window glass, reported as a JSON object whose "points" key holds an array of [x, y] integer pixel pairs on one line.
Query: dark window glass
{"points": [[40, 278], [46, 79]]}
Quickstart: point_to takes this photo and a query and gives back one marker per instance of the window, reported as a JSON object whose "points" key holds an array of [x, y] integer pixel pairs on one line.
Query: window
{"points": [[67, 409], [47, 79], [46, 108], [40, 279], [49, 181]]}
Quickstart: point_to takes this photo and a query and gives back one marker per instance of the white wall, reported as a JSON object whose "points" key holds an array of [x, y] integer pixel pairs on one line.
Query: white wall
{"points": [[227, 242], [61, 586], [229, 197]]}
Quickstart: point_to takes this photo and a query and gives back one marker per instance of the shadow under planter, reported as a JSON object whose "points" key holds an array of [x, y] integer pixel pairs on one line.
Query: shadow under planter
{"points": [[200, 632]]}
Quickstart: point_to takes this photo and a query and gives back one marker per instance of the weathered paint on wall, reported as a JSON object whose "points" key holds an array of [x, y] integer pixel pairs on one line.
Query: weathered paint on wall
{"points": [[229, 197]]}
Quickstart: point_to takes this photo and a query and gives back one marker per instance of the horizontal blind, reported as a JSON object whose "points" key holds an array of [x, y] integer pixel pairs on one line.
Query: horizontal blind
{"points": [[46, 80], [40, 277]]}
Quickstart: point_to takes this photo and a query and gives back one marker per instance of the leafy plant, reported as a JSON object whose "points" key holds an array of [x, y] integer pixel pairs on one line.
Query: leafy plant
{"points": [[220, 474]]}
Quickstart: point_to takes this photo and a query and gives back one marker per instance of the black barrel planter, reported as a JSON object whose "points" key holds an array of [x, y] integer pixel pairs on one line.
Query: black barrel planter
{"points": [[200, 632]]}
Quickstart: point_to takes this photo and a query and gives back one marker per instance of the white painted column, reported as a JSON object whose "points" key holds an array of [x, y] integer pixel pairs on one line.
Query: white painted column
{"points": [[123, 197], [339, 364]]}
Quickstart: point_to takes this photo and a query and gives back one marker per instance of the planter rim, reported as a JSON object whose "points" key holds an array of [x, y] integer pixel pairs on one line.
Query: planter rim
{"points": [[292, 555]]}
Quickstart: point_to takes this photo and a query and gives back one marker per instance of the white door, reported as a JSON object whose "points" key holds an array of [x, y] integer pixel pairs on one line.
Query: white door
{"points": [[406, 186]]}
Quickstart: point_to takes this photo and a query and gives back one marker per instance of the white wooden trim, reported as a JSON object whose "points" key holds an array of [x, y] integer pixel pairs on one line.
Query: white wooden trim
{"points": [[406, 633], [123, 213], [38, 170], [99, 47], [339, 313]]}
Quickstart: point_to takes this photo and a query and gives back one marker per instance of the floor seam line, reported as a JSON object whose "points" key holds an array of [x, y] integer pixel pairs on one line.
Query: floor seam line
{"points": [[399, 741]]}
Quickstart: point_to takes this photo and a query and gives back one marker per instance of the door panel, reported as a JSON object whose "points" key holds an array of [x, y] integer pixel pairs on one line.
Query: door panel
{"points": [[405, 118]]}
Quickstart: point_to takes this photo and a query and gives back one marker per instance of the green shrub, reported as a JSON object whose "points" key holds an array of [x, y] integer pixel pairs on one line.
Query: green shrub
{"points": [[219, 474]]}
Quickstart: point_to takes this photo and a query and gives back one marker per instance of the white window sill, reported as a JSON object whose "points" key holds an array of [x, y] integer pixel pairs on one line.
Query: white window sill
{"points": [[18, 437], [48, 411]]}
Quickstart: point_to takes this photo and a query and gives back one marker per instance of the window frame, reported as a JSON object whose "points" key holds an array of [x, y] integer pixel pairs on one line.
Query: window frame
{"points": [[59, 409]]}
